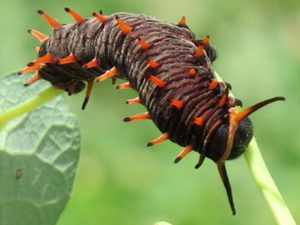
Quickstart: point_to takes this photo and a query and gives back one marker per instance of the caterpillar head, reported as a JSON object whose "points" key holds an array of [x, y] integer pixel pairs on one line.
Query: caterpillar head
{"points": [[218, 141], [231, 139]]}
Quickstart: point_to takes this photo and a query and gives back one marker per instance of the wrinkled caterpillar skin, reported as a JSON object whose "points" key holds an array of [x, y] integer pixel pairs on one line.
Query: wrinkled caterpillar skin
{"points": [[174, 49], [169, 68]]}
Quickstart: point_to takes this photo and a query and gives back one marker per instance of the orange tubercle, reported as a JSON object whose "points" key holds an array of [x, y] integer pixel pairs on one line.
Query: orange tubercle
{"points": [[30, 69], [126, 29], [91, 64], [67, 60], [34, 79], [136, 100], [41, 37], [177, 103], [182, 22], [124, 86], [53, 23], [157, 81], [206, 40], [213, 85], [192, 72], [100, 17], [200, 51], [145, 45], [44, 59], [153, 64], [223, 100], [184, 153], [162, 138], [199, 121], [110, 73], [142, 116], [76, 16]]}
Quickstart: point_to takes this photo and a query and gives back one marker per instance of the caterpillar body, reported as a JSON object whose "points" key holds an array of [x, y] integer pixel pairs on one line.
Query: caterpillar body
{"points": [[169, 68]]}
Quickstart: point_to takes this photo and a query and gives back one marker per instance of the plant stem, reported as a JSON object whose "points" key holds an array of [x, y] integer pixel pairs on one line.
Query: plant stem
{"points": [[265, 182], [267, 186], [29, 105]]}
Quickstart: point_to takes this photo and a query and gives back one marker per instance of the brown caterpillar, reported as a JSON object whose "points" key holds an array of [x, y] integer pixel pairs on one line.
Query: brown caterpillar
{"points": [[169, 68]]}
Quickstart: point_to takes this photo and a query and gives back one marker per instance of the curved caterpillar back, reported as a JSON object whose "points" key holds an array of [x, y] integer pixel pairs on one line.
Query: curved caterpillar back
{"points": [[169, 68]]}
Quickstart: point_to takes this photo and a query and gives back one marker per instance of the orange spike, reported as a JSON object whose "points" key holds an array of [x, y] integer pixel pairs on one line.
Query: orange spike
{"points": [[199, 121], [153, 64], [76, 16], [126, 29], [37, 49], [110, 73], [136, 100], [223, 100], [34, 79], [44, 59], [192, 72], [145, 45], [239, 116], [184, 153], [100, 17], [124, 86], [67, 60], [177, 103], [41, 37], [213, 85], [200, 51], [88, 93], [206, 40], [162, 138], [182, 22], [53, 23], [157, 81], [91, 64], [30, 69], [142, 116]]}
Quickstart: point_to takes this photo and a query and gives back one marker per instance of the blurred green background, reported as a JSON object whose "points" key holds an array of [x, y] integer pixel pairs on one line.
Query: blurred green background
{"points": [[120, 181]]}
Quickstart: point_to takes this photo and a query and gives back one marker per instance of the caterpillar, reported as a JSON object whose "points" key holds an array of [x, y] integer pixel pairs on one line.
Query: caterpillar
{"points": [[169, 68]]}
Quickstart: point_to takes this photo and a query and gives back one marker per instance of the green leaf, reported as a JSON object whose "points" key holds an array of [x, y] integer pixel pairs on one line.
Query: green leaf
{"points": [[39, 154]]}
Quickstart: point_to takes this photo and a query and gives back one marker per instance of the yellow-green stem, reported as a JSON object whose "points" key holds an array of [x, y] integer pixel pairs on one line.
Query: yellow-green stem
{"points": [[29, 105], [267, 186]]}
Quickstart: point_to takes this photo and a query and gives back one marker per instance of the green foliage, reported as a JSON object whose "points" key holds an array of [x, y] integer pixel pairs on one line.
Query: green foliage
{"points": [[39, 154]]}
